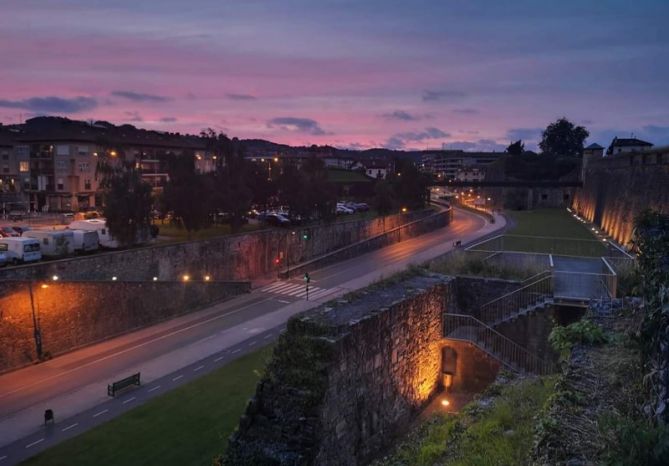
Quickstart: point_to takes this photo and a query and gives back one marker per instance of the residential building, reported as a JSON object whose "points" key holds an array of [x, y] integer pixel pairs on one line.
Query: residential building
{"points": [[624, 145], [446, 164], [14, 172]]}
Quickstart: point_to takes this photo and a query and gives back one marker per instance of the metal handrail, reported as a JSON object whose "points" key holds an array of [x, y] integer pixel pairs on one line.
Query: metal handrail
{"points": [[511, 354], [534, 277], [511, 303]]}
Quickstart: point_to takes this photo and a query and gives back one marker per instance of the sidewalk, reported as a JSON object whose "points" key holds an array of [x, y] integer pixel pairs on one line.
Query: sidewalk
{"points": [[27, 421]]}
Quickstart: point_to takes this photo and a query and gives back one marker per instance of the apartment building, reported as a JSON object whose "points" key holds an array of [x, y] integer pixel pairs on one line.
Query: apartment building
{"points": [[452, 164], [61, 159]]}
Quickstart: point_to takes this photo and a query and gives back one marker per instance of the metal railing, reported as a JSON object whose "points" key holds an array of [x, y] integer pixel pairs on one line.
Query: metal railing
{"points": [[583, 285], [509, 353], [510, 304]]}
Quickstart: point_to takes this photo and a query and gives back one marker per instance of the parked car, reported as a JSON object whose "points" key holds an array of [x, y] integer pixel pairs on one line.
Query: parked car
{"points": [[342, 209], [20, 229], [21, 249], [85, 241], [9, 232], [15, 215], [100, 226], [275, 219], [3, 257]]}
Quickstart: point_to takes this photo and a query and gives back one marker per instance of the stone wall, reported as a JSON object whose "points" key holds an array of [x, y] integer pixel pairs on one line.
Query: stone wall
{"points": [[346, 379], [473, 292], [618, 188], [235, 257], [74, 314]]}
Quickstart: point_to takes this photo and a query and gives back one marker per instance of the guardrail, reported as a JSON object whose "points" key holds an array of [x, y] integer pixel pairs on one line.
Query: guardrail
{"points": [[509, 353]]}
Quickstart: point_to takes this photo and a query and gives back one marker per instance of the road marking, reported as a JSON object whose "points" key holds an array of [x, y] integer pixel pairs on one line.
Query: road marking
{"points": [[34, 443], [154, 388], [72, 426], [283, 302], [3, 458], [198, 368], [177, 378], [100, 413], [267, 336], [251, 343], [132, 348], [218, 358], [128, 400], [236, 351]]}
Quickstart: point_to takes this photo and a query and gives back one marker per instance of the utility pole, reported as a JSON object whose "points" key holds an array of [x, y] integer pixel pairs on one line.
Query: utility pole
{"points": [[36, 327]]}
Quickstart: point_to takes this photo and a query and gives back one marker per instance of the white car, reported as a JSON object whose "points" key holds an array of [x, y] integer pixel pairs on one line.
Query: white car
{"points": [[342, 209]]}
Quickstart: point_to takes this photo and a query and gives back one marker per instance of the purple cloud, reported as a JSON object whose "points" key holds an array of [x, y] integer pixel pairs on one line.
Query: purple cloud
{"points": [[52, 104], [140, 97], [300, 125]]}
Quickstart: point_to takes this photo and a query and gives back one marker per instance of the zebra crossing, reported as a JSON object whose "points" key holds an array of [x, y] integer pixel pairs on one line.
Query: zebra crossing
{"points": [[297, 290]]}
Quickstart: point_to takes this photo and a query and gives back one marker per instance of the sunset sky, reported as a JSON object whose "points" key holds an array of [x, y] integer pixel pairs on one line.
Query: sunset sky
{"points": [[400, 74]]}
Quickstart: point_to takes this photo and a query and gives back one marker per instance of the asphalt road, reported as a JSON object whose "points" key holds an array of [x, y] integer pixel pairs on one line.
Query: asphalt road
{"points": [[73, 383]]}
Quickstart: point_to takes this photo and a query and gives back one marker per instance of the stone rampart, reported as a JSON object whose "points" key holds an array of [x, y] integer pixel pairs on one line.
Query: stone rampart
{"points": [[345, 379], [74, 314], [617, 188], [234, 257]]}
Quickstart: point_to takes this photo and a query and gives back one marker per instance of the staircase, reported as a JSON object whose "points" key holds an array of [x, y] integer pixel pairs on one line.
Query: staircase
{"points": [[513, 356], [534, 293]]}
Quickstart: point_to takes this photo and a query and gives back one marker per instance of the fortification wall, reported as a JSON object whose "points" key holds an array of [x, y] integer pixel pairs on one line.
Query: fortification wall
{"points": [[616, 189], [73, 314], [345, 380], [235, 257]]}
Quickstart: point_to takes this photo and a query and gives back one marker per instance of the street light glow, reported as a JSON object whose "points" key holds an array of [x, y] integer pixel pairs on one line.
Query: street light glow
{"points": [[207, 278], [186, 278], [55, 278], [114, 278], [44, 286]]}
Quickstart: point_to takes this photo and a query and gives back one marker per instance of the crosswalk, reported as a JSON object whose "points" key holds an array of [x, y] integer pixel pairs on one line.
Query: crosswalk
{"points": [[297, 290]]}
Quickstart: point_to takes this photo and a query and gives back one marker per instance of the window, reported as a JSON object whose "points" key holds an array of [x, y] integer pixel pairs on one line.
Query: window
{"points": [[544, 197], [62, 149], [32, 247], [5, 156], [5, 168], [103, 231], [83, 166], [61, 164], [59, 184], [24, 166], [3, 247], [87, 185], [45, 241], [22, 151], [82, 150]]}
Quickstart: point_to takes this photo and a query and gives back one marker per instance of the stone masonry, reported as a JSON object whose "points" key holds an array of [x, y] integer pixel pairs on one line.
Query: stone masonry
{"points": [[348, 377]]}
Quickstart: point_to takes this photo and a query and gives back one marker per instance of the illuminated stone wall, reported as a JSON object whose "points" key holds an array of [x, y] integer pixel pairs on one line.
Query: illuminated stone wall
{"points": [[345, 380], [72, 314], [618, 188], [235, 257]]}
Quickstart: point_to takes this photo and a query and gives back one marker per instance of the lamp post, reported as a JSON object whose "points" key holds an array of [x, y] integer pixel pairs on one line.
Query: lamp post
{"points": [[37, 331]]}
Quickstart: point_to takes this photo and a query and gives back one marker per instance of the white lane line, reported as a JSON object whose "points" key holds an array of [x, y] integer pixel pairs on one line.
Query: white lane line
{"points": [[320, 293], [177, 378], [198, 368], [100, 413], [71, 426], [3, 458], [218, 358], [236, 351], [34, 443], [251, 343], [283, 288], [129, 400], [154, 388], [267, 336], [283, 302], [273, 286]]}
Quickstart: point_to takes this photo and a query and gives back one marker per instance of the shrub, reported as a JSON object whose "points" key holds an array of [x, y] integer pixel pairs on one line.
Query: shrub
{"points": [[562, 338]]}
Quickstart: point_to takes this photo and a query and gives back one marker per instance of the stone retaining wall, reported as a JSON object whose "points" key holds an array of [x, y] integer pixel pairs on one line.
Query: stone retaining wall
{"points": [[234, 257], [75, 314], [346, 379]]}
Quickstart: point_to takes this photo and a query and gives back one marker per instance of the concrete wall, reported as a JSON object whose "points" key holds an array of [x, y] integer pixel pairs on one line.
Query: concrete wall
{"points": [[74, 314], [618, 188], [234, 257], [344, 381]]}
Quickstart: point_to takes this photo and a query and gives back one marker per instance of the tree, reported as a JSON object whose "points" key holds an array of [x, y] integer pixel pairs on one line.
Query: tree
{"points": [[562, 138], [187, 193], [127, 204], [516, 148], [409, 185], [233, 189], [384, 201]]}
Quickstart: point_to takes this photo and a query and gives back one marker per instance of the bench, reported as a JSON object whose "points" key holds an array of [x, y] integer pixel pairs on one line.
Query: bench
{"points": [[123, 383]]}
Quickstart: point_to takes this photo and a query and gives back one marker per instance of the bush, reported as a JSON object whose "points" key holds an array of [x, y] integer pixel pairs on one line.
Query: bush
{"points": [[584, 332], [636, 443]]}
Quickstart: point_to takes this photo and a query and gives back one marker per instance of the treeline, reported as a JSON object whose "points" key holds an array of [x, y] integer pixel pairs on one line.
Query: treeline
{"points": [[237, 185]]}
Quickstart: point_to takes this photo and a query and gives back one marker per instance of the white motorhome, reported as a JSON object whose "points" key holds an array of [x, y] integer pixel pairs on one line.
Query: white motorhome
{"points": [[85, 241], [53, 243], [20, 249], [98, 225]]}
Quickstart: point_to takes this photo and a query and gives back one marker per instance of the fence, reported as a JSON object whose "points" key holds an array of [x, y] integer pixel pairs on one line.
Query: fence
{"points": [[534, 293], [515, 357]]}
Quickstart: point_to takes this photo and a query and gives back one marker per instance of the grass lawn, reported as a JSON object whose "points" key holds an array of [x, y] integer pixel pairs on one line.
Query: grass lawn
{"points": [[498, 434], [189, 425], [170, 232], [560, 234]]}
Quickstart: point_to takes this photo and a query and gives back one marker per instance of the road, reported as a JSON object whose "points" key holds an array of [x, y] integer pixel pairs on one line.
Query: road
{"points": [[74, 385]]}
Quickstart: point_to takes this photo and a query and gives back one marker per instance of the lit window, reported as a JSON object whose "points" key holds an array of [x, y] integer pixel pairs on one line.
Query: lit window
{"points": [[24, 166]]}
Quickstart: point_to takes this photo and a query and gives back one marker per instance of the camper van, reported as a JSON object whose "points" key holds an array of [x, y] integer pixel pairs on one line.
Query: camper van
{"points": [[20, 249], [53, 243], [85, 241], [98, 225]]}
